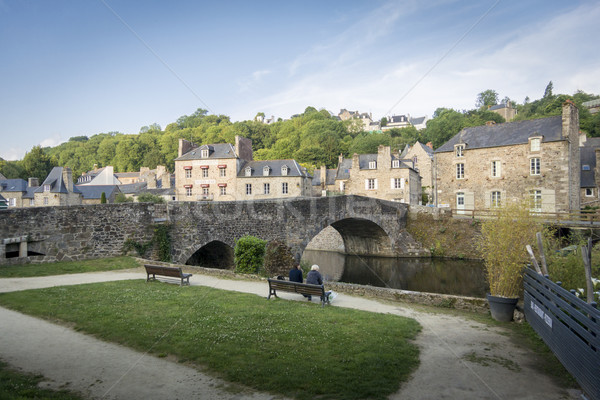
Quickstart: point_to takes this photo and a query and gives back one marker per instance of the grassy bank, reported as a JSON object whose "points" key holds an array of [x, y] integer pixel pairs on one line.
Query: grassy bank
{"points": [[67, 267], [292, 348]]}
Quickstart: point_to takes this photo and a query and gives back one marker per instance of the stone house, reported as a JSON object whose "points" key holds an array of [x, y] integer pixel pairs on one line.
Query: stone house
{"points": [[593, 106], [364, 120], [323, 181], [226, 172], [14, 192], [58, 189], [590, 172], [421, 156], [534, 160], [505, 109]]}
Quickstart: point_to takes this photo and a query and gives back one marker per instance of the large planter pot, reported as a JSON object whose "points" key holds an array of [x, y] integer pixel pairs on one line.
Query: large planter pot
{"points": [[502, 308]]}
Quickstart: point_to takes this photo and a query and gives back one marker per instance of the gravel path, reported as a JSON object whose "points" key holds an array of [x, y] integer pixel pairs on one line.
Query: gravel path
{"points": [[460, 358]]}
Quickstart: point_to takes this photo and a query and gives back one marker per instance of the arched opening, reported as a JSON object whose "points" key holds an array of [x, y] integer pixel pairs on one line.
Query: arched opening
{"points": [[363, 237], [215, 254]]}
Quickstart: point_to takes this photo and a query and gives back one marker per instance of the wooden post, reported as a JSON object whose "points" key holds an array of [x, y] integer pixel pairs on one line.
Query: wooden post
{"points": [[587, 264], [533, 260], [542, 255]]}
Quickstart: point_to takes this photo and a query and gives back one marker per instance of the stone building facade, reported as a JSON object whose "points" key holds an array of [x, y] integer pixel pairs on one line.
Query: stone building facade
{"points": [[421, 156], [58, 189], [535, 160], [226, 172]]}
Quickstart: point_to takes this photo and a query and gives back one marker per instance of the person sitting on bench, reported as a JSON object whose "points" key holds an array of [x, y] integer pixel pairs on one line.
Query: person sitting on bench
{"points": [[314, 278]]}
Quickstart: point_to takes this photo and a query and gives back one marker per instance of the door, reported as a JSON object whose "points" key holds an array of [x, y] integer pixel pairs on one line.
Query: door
{"points": [[460, 203]]}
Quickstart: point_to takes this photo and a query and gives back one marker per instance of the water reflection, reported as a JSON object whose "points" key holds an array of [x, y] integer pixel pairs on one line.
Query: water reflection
{"points": [[459, 277]]}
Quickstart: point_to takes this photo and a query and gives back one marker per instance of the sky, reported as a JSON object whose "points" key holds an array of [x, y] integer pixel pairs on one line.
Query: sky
{"points": [[82, 67]]}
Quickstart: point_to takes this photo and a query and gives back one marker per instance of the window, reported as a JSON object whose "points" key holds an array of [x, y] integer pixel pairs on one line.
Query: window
{"points": [[589, 192], [535, 144], [460, 171], [45, 201], [266, 171], [266, 188], [205, 191], [415, 159], [188, 173], [397, 183], [372, 164], [12, 202], [248, 171], [284, 188], [205, 172], [284, 170], [222, 172], [31, 202], [534, 166], [248, 189], [585, 167], [46, 188], [204, 153], [223, 190], [342, 186], [496, 199], [496, 169], [536, 200], [396, 164], [459, 149], [188, 191], [371, 184]]}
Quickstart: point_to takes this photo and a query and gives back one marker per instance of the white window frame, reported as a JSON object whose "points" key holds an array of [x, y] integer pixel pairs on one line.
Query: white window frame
{"points": [[248, 189], [496, 198], [45, 201], [371, 183], [12, 202], [223, 190], [459, 150], [222, 172], [188, 191], [266, 171], [496, 169], [536, 200], [266, 188], [284, 187], [589, 192], [372, 164], [205, 172], [46, 188], [284, 170], [204, 153], [460, 171], [248, 171], [535, 166], [535, 144], [188, 173], [204, 191], [31, 202], [395, 163]]}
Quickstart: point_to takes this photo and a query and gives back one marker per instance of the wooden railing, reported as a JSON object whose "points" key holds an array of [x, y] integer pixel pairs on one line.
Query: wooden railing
{"points": [[562, 218]]}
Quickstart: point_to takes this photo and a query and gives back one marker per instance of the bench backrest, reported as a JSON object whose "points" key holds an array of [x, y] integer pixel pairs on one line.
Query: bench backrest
{"points": [[166, 271], [301, 288]]}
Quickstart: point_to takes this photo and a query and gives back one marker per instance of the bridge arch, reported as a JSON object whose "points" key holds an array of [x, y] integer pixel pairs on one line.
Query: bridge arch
{"points": [[362, 236], [214, 254]]}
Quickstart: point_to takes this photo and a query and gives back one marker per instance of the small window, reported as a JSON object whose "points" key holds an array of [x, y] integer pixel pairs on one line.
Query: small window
{"points": [[12, 202], [585, 167], [248, 171], [536, 200], [188, 191], [205, 191], [266, 171], [496, 199], [205, 173], [284, 170], [398, 183], [589, 192], [342, 186], [45, 201], [534, 166], [371, 184], [496, 169], [223, 190], [459, 150], [284, 188], [222, 172], [372, 164], [188, 173], [248, 189], [535, 144], [460, 171], [46, 188], [266, 188], [415, 159], [204, 153], [395, 163]]}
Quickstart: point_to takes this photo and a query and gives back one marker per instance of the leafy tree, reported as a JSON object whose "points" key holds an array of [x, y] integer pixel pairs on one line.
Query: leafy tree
{"points": [[14, 170], [122, 198], [548, 90], [278, 259], [444, 125], [38, 164], [150, 198], [249, 254], [368, 143], [486, 99]]}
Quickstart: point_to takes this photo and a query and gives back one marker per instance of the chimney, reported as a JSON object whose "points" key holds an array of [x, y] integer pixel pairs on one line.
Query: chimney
{"points": [[340, 159], [243, 148], [184, 147], [430, 145], [355, 162], [95, 167], [67, 178], [490, 123], [33, 182], [323, 177], [384, 157], [166, 180], [151, 181], [570, 120]]}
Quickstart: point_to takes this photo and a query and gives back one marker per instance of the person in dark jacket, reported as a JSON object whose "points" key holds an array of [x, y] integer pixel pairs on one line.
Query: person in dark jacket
{"points": [[314, 278], [296, 274]]}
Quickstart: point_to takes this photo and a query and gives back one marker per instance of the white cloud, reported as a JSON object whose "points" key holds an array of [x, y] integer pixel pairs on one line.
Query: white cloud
{"points": [[12, 154], [52, 141], [254, 79]]}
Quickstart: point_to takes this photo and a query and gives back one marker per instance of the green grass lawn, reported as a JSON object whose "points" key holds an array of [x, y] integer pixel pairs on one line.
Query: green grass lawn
{"points": [[67, 267], [292, 348], [17, 386]]}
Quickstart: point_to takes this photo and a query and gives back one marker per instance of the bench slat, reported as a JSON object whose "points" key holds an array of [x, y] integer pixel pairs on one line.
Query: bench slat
{"points": [[174, 272], [297, 287]]}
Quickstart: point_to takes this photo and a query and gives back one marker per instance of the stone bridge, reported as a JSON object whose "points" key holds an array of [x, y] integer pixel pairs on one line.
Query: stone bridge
{"points": [[203, 233]]}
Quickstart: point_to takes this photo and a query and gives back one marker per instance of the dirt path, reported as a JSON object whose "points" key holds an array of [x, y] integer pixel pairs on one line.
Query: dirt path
{"points": [[460, 358]]}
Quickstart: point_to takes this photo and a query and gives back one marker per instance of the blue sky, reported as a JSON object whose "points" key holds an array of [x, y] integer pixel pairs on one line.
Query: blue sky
{"points": [[82, 67]]}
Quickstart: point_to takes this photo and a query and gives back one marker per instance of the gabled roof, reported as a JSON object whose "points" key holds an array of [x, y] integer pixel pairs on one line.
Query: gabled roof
{"points": [[425, 148], [329, 179], [30, 192], [55, 180], [13, 185], [506, 134], [417, 121], [343, 170], [95, 191], [216, 151], [275, 166]]}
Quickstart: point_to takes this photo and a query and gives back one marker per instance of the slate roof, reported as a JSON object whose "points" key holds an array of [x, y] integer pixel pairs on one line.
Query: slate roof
{"points": [[426, 148], [591, 103], [329, 179], [55, 180], [294, 168], [133, 188], [587, 154], [95, 191], [219, 150], [506, 134], [343, 171], [30, 191], [13, 185], [417, 121]]}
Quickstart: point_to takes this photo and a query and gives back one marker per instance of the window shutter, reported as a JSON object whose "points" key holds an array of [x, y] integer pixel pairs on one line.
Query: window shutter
{"points": [[366, 184], [401, 183], [376, 183], [392, 183]]}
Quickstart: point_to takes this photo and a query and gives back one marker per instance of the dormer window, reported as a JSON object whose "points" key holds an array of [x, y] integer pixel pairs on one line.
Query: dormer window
{"points": [[266, 170], [395, 163], [459, 150], [284, 170], [248, 171], [372, 164], [535, 144], [46, 188], [204, 153]]}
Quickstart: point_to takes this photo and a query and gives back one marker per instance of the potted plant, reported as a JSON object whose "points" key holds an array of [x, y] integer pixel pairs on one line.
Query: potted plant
{"points": [[502, 246]]}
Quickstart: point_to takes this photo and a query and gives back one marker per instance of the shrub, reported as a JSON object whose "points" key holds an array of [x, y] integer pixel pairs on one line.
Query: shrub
{"points": [[502, 247], [150, 198], [103, 198], [249, 254], [278, 259], [121, 198]]}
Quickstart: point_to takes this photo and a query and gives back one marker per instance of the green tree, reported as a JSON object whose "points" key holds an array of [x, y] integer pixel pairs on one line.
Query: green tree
{"points": [[548, 90], [486, 99], [103, 198], [444, 125], [122, 198], [38, 164], [14, 170], [150, 198]]}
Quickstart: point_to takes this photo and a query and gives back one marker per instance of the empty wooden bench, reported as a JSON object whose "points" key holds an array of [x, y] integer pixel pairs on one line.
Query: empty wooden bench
{"points": [[296, 287], [173, 272]]}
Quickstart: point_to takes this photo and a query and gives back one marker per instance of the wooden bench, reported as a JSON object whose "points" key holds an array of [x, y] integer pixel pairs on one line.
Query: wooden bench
{"points": [[296, 287], [173, 272]]}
